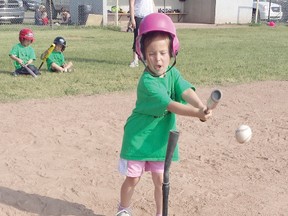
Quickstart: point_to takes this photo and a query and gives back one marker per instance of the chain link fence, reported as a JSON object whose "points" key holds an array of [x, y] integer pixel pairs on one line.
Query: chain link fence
{"points": [[284, 6], [49, 12], [270, 10], [75, 12]]}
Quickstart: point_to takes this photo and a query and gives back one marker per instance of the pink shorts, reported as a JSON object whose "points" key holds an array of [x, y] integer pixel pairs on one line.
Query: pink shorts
{"points": [[132, 168]]}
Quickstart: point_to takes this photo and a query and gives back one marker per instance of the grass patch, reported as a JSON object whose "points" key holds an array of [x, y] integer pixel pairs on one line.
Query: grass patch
{"points": [[101, 56]]}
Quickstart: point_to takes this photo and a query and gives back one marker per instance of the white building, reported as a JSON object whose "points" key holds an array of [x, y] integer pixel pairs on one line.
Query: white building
{"points": [[187, 11], [202, 11]]}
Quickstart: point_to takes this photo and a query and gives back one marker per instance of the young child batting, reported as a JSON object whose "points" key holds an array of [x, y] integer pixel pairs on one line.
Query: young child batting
{"points": [[161, 94], [56, 60], [23, 54]]}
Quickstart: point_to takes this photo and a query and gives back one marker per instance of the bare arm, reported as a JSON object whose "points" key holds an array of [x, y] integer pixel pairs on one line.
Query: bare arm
{"points": [[132, 13], [30, 62], [15, 58], [57, 67], [20, 61], [194, 109], [192, 98]]}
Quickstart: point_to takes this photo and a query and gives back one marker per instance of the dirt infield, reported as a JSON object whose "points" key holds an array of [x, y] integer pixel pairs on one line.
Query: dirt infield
{"points": [[59, 156]]}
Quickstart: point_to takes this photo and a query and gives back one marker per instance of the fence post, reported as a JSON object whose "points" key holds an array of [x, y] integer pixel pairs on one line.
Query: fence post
{"points": [[269, 11]]}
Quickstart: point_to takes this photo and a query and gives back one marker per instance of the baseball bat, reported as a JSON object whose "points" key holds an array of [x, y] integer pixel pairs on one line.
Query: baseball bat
{"points": [[46, 54], [213, 100], [30, 71], [172, 142]]}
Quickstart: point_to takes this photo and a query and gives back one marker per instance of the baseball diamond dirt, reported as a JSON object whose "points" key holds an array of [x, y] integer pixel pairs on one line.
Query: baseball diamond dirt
{"points": [[59, 156]]}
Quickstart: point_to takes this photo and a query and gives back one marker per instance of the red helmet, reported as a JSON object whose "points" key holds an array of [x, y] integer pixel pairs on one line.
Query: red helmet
{"points": [[27, 34]]}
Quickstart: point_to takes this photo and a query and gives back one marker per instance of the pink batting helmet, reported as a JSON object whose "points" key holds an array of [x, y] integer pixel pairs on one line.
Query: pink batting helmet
{"points": [[157, 22]]}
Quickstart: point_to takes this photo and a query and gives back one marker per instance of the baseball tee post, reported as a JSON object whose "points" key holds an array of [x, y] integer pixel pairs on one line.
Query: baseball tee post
{"points": [[172, 142]]}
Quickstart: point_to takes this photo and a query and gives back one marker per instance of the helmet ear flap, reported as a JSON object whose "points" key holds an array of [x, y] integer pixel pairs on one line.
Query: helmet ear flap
{"points": [[139, 47], [175, 46], [143, 56]]}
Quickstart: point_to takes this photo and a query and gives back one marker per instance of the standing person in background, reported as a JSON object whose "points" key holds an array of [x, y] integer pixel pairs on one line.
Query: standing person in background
{"points": [[138, 10]]}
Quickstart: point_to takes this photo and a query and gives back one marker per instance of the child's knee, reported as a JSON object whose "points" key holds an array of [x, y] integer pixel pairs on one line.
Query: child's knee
{"points": [[132, 181], [157, 179]]}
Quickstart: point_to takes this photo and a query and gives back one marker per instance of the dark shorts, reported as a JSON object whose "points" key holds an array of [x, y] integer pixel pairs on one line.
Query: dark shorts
{"points": [[23, 71]]}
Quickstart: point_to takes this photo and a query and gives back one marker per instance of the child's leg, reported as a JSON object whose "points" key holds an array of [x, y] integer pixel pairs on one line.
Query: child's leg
{"points": [[34, 69], [127, 191], [158, 180], [56, 67], [68, 66]]}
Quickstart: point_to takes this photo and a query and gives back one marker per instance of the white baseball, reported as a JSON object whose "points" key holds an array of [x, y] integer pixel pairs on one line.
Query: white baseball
{"points": [[243, 134]]}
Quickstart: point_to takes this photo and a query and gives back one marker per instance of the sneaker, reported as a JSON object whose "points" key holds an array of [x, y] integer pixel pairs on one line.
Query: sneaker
{"points": [[123, 212], [14, 74], [134, 64]]}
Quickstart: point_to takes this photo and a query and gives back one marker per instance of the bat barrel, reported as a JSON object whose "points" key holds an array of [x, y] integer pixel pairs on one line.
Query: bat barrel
{"points": [[214, 99], [216, 95], [46, 54]]}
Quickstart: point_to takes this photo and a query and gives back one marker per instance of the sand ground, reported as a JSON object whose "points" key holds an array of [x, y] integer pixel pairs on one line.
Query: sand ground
{"points": [[59, 156]]}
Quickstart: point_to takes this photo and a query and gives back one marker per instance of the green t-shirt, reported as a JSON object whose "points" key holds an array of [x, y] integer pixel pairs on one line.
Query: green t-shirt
{"points": [[57, 58], [146, 131], [22, 52]]}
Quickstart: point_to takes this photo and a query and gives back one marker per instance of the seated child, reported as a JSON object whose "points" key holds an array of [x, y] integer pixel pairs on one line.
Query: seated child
{"points": [[45, 19], [56, 60], [41, 16], [65, 17], [23, 54]]}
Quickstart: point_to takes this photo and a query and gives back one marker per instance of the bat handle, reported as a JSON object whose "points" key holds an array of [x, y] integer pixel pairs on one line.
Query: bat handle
{"points": [[212, 101], [206, 111], [40, 65]]}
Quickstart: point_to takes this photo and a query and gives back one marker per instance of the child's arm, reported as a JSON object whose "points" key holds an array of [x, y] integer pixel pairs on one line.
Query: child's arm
{"points": [[57, 67], [196, 109], [187, 110], [15, 58], [192, 98], [132, 13], [30, 62]]}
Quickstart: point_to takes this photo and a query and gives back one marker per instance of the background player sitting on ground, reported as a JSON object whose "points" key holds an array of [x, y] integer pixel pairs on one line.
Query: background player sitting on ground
{"points": [[23, 54], [56, 60]]}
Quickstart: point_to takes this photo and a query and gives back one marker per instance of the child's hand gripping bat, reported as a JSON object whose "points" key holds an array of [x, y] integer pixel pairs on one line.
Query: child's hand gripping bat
{"points": [[46, 54], [213, 100]]}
